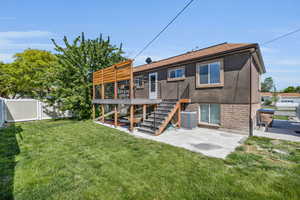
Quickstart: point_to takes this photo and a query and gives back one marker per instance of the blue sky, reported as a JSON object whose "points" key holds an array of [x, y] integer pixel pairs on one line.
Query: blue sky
{"points": [[32, 23]]}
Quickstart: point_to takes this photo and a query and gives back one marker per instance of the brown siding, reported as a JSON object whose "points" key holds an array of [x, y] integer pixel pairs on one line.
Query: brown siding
{"points": [[236, 83], [256, 97], [233, 97]]}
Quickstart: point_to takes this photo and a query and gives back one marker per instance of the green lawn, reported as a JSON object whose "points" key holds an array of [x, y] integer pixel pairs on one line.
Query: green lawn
{"points": [[83, 160], [281, 117]]}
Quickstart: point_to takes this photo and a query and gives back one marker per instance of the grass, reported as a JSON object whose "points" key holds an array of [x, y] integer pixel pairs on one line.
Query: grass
{"points": [[83, 160], [281, 117]]}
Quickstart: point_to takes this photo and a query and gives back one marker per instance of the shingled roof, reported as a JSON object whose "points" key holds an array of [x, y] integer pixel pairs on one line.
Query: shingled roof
{"points": [[209, 51]]}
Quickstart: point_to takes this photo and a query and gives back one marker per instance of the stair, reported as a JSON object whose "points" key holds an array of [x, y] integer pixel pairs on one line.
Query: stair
{"points": [[161, 116]]}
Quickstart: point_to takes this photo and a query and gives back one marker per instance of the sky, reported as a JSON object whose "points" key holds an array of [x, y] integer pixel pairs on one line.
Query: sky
{"points": [[32, 23]]}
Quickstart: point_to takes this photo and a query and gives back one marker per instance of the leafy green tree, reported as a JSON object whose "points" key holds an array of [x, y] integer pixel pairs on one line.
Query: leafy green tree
{"points": [[3, 81], [298, 89], [28, 75], [267, 85], [73, 78], [290, 89]]}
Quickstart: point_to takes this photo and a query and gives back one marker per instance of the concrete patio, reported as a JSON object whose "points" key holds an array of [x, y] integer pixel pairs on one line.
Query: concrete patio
{"points": [[210, 142], [217, 143]]}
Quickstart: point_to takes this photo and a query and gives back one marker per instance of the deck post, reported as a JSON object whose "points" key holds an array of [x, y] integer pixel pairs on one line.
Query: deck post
{"points": [[179, 117], [116, 96], [131, 82], [144, 112], [131, 117], [102, 96], [94, 113]]}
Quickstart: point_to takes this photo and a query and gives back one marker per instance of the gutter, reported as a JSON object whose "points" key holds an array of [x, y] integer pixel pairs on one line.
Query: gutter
{"points": [[250, 99], [254, 52]]}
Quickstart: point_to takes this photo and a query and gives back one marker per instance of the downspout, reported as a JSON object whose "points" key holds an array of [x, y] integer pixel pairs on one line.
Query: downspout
{"points": [[250, 97]]}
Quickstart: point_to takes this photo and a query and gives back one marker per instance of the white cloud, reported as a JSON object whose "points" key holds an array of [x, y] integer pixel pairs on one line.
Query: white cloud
{"points": [[268, 50], [24, 34], [283, 70], [283, 62], [12, 42], [6, 57], [12, 45]]}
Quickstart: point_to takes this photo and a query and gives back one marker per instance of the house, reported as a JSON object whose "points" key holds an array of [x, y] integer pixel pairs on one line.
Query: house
{"points": [[220, 83], [288, 104], [282, 97]]}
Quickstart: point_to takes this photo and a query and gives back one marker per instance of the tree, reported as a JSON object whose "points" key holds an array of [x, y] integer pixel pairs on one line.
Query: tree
{"points": [[298, 89], [28, 75], [73, 78], [3, 81], [267, 85], [290, 89]]}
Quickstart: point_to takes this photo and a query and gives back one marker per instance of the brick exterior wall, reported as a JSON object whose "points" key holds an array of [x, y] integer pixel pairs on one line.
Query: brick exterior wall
{"points": [[233, 116]]}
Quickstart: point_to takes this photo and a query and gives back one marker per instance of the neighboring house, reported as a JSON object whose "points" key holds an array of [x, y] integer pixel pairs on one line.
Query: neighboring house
{"points": [[288, 104], [282, 97], [220, 83]]}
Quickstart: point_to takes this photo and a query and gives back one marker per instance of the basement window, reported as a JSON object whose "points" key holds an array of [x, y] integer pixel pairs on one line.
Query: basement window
{"points": [[209, 114], [176, 74]]}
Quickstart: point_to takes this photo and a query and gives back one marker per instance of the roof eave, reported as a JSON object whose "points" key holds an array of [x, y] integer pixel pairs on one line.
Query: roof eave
{"points": [[261, 61], [250, 46]]}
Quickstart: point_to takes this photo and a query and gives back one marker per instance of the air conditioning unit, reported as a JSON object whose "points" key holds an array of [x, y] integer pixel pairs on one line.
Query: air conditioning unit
{"points": [[188, 120]]}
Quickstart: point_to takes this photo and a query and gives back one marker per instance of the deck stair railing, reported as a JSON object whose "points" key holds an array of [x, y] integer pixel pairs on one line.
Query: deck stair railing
{"points": [[186, 92], [160, 117]]}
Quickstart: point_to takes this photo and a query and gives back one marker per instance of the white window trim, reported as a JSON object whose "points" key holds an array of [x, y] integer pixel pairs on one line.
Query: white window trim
{"points": [[259, 82], [205, 85], [174, 69], [205, 123]]}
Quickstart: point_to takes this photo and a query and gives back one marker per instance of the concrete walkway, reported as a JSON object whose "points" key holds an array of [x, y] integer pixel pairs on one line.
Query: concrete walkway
{"points": [[209, 142]]}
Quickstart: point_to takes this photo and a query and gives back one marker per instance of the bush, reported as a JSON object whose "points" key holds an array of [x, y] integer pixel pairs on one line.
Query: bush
{"points": [[267, 102]]}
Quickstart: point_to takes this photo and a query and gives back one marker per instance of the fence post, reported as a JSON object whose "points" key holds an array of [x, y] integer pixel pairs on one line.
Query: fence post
{"points": [[1, 112], [40, 110]]}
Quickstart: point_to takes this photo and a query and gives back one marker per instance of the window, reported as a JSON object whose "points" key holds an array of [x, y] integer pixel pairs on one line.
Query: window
{"points": [[153, 83], [210, 74], [176, 74], [209, 113], [138, 82]]}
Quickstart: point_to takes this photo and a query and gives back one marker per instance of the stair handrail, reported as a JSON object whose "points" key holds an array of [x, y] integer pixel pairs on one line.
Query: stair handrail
{"points": [[186, 92], [163, 126], [154, 121]]}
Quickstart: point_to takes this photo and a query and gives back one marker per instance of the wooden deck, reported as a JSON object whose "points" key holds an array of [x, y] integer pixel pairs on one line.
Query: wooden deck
{"points": [[117, 74], [127, 101]]}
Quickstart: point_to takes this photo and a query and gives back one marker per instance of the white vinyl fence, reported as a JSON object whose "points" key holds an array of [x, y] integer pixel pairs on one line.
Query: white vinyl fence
{"points": [[1, 112], [16, 110]]}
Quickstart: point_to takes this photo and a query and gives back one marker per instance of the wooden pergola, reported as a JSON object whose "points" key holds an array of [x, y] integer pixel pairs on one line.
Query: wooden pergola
{"points": [[122, 71]]}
